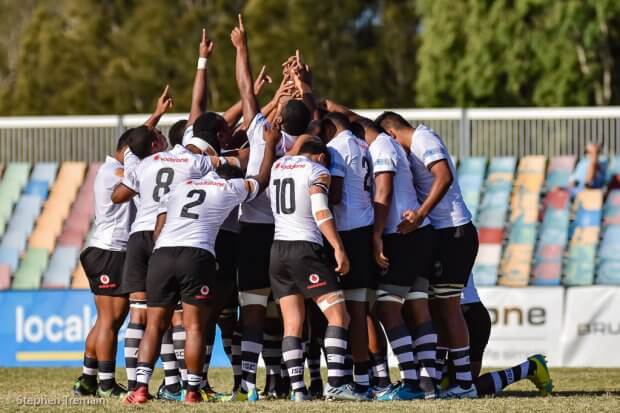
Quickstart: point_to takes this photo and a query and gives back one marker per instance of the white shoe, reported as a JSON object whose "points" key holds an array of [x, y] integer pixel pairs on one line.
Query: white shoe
{"points": [[457, 392]]}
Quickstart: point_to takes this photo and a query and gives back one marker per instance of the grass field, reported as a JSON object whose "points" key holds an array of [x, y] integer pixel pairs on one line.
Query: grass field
{"points": [[595, 390]]}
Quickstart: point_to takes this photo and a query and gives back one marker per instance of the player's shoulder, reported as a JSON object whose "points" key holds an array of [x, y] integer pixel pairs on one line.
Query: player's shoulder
{"points": [[383, 143]]}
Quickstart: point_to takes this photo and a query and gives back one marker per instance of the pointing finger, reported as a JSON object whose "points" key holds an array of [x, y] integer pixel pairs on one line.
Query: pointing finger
{"points": [[240, 22]]}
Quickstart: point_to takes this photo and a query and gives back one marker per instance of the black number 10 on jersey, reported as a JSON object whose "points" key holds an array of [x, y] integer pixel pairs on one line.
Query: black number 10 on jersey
{"points": [[285, 196]]}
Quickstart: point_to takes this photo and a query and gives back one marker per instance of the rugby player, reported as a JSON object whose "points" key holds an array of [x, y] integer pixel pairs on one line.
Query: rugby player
{"points": [[298, 270], [442, 203], [103, 261], [183, 264], [256, 218], [350, 194]]}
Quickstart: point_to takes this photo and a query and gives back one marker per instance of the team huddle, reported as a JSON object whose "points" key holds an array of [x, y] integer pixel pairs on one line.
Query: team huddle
{"points": [[301, 230]]}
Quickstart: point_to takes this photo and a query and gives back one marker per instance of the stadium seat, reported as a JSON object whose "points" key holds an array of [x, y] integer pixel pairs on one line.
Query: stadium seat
{"points": [[44, 172], [10, 257], [490, 235], [38, 188], [486, 265], [79, 280], [579, 268], [28, 275], [62, 263], [15, 239], [5, 276], [560, 169]]}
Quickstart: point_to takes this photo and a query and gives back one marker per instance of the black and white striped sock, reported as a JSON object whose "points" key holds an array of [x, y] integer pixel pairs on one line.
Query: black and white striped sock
{"points": [[235, 351], [193, 380], [171, 366], [251, 347], [106, 374], [425, 346], [89, 370], [133, 336], [459, 358], [380, 370], [400, 340], [144, 371], [272, 355], [336, 342], [441, 366], [348, 367], [178, 341], [504, 378], [360, 376], [293, 356]]}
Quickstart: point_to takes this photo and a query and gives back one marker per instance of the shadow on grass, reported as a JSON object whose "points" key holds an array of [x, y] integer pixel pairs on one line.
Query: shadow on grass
{"points": [[572, 393]]}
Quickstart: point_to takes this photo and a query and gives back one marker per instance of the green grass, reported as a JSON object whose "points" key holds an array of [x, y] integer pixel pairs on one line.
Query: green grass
{"points": [[596, 390]]}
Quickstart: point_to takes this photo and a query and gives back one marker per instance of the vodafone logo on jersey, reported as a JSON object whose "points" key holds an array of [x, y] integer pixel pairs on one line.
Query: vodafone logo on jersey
{"points": [[105, 282], [315, 281], [170, 159]]}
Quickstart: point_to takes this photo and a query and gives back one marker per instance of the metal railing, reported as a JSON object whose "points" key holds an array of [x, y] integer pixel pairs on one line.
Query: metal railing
{"points": [[466, 132]]}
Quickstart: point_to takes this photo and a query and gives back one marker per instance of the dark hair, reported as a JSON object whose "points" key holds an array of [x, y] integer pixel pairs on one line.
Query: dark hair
{"points": [[175, 135], [368, 124], [316, 147], [140, 141], [391, 120], [122, 141], [295, 117], [340, 120], [207, 126], [358, 130], [228, 171]]}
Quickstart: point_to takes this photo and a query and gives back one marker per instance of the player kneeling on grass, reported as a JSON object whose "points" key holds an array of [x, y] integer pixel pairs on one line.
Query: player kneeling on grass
{"points": [[478, 322], [298, 265], [183, 264]]}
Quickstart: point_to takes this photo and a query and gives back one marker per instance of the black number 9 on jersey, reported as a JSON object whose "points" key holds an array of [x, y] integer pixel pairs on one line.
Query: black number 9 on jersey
{"points": [[285, 190]]}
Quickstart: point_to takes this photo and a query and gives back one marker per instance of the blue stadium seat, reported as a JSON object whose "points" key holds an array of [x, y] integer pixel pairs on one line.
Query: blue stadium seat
{"points": [[45, 172], [38, 188], [15, 239], [10, 256]]}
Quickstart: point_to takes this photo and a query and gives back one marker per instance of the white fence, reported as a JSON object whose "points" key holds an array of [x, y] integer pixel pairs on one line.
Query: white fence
{"points": [[467, 132]]}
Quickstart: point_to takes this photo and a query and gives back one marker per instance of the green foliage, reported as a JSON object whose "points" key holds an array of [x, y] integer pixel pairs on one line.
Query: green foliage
{"points": [[115, 56]]}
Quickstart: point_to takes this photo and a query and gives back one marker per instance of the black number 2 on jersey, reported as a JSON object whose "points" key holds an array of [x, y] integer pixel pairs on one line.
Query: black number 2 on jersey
{"points": [[201, 198]]}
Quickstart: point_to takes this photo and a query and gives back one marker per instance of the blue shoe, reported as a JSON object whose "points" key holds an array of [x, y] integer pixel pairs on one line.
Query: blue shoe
{"points": [[344, 392], [457, 392], [253, 396], [164, 394], [404, 392], [300, 396], [384, 393]]}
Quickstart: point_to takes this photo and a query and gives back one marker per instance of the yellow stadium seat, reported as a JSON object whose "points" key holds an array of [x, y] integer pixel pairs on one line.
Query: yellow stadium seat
{"points": [[79, 280]]}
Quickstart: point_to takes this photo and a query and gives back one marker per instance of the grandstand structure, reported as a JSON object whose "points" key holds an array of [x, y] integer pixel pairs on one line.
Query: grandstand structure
{"points": [[513, 167]]}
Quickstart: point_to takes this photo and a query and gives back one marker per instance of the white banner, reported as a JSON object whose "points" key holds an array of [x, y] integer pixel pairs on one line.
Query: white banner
{"points": [[525, 321], [591, 334]]}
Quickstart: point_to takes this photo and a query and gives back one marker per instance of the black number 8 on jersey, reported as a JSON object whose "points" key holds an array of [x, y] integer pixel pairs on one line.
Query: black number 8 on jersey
{"points": [[163, 180]]}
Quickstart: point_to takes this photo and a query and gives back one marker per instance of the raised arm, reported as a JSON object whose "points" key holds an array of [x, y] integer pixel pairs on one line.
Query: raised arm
{"points": [[331, 106], [199, 91], [234, 113], [271, 137], [243, 74], [164, 103], [302, 77]]}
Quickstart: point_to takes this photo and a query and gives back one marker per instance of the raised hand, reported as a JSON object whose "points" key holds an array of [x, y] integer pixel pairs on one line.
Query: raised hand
{"points": [[261, 80], [206, 45], [165, 102], [238, 36], [271, 134], [301, 72]]}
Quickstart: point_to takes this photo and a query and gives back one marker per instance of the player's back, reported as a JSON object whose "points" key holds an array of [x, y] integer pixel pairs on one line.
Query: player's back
{"points": [[289, 191], [112, 221], [156, 175], [196, 209], [351, 161]]}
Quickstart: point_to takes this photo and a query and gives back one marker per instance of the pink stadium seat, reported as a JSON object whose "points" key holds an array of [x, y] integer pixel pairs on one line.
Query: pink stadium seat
{"points": [[551, 251], [490, 235], [548, 271], [5, 276], [557, 198], [71, 238]]}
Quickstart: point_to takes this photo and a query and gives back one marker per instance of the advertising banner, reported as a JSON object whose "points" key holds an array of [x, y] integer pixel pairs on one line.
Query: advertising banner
{"points": [[524, 321], [48, 329], [591, 333]]}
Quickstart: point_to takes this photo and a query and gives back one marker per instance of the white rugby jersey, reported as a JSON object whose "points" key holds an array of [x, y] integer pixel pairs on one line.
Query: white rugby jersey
{"points": [[469, 294], [196, 209], [112, 221], [388, 156], [156, 175], [258, 211], [351, 161], [289, 192], [426, 148]]}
